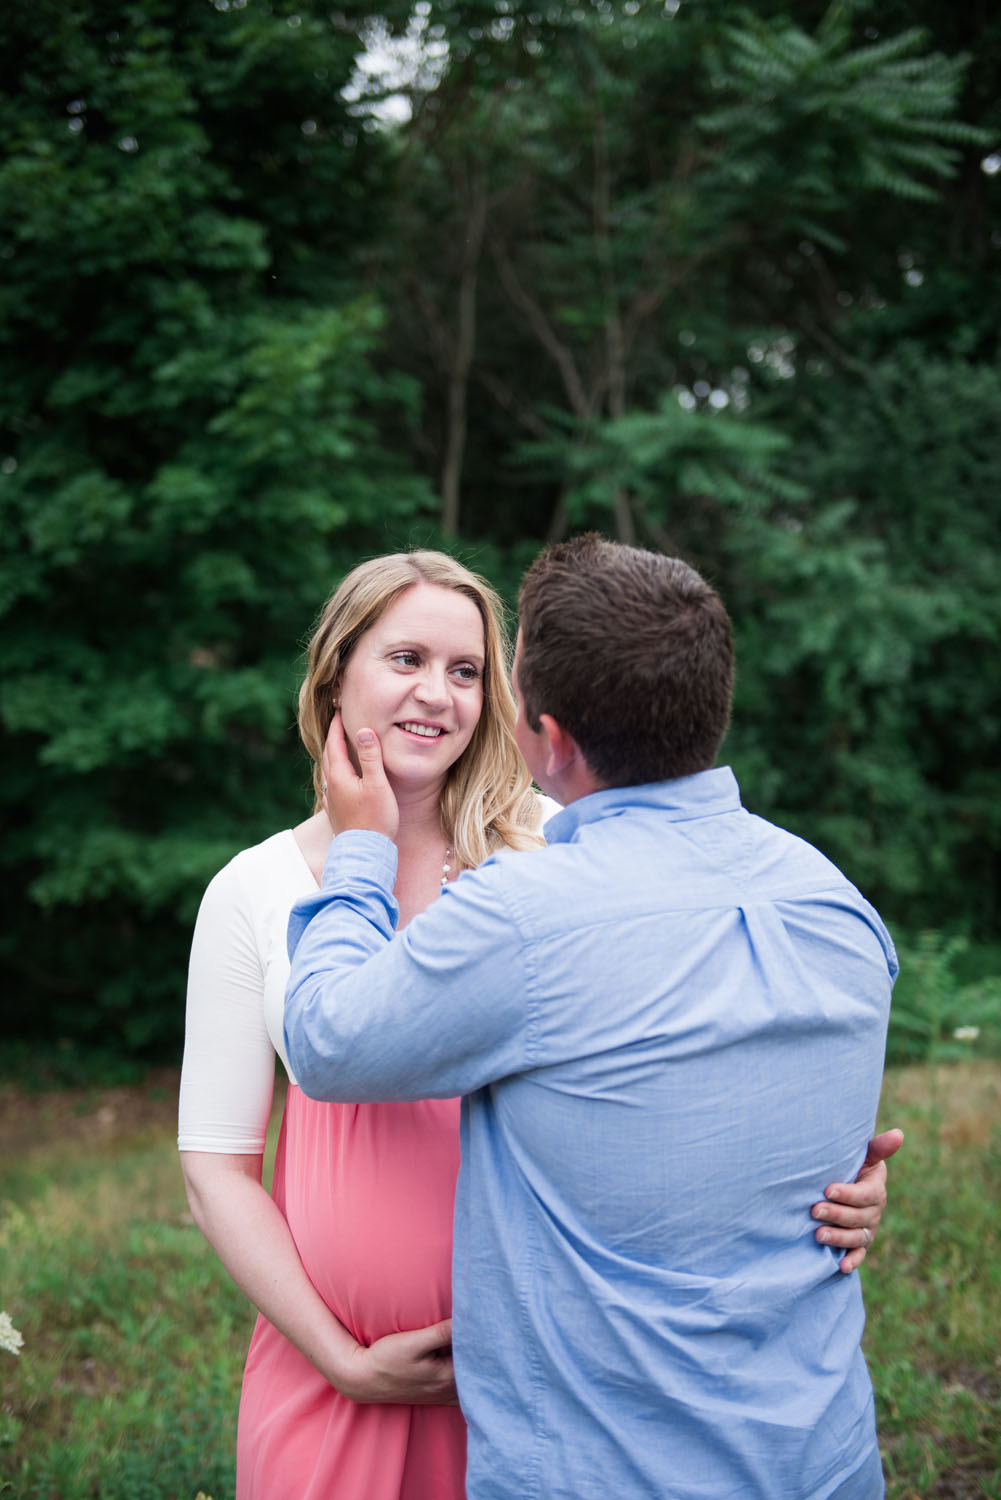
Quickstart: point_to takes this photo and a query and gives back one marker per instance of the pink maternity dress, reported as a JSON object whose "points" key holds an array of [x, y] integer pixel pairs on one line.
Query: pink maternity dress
{"points": [[367, 1190]]}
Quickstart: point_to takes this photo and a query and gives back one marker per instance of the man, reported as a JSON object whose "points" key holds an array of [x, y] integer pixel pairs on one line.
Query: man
{"points": [[669, 1028]]}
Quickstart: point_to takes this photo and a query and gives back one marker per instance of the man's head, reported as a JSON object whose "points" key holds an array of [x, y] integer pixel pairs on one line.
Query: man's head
{"points": [[631, 654]]}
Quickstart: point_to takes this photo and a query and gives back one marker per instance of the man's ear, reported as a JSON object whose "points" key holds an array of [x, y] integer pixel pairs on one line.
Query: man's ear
{"points": [[567, 773], [563, 749]]}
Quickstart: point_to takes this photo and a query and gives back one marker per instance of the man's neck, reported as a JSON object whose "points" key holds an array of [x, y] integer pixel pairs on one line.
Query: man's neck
{"points": [[576, 781]]}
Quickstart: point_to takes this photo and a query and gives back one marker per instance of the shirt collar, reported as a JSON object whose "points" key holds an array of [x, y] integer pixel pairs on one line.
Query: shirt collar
{"points": [[699, 796]]}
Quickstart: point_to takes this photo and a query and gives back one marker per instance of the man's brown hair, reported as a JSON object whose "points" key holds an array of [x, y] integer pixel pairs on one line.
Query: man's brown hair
{"points": [[631, 653]]}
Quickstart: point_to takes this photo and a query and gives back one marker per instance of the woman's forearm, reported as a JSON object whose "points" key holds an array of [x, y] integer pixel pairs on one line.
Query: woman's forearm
{"points": [[249, 1234]]}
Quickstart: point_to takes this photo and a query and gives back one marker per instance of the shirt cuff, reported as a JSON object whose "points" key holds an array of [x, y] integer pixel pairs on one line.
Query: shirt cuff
{"points": [[359, 851]]}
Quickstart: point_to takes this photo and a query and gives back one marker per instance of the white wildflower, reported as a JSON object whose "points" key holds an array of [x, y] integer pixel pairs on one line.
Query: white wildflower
{"points": [[966, 1033], [10, 1339]]}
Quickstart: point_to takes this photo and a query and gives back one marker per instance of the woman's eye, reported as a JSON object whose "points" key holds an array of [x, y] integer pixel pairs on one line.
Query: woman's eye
{"points": [[467, 672], [406, 658]]}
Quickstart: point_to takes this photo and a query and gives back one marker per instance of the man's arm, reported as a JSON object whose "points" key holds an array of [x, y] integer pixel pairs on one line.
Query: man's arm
{"points": [[436, 1012]]}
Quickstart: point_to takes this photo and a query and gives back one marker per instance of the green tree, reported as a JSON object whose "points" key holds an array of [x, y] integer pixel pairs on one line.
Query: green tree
{"points": [[736, 294], [195, 441], [868, 616], [612, 187], [869, 620], [721, 280]]}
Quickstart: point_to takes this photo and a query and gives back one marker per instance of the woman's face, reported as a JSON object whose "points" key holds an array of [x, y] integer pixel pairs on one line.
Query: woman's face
{"points": [[416, 678]]}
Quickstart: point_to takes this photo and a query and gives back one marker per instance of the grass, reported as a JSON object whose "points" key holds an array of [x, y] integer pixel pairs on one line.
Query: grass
{"points": [[127, 1385], [134, 1338], [933, 1289]]}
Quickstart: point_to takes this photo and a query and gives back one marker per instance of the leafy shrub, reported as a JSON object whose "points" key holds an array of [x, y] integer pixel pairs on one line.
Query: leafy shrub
{"points": [[936, 1017]]}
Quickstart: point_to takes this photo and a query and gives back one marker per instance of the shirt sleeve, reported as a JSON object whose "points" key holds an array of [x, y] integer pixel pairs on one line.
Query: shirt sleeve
{"points": [[227, 1077], [440, 1010]]}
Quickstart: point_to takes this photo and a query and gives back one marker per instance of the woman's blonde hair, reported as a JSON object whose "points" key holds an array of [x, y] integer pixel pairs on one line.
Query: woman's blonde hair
{"points": [[487, 802]]}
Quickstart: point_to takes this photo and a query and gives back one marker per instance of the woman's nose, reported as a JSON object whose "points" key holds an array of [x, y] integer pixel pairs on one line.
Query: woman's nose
{"points": [[432, 686]]}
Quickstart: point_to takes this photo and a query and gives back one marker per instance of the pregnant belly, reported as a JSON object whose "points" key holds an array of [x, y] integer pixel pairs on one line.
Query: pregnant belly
{"points": [[369, 1191]]}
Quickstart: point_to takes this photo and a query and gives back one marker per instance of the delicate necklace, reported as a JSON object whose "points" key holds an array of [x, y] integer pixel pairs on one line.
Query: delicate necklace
{"points": [[446, 868]]}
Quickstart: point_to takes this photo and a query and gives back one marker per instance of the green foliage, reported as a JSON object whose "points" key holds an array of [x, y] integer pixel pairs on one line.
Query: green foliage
{"points": [[866, 718], [644, 170], [196, 441], [816, 121], [722, 281], [671, 462], [934, 1017], [42, 1067]]}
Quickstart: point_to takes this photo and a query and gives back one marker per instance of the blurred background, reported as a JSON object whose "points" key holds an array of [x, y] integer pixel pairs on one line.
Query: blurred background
{"points": [[284, 286]]}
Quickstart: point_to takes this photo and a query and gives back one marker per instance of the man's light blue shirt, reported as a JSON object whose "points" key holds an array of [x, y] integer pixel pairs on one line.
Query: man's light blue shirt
{"points": [[668, 1027]]}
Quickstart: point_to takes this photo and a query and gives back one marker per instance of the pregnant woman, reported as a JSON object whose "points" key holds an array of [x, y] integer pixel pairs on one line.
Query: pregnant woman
{"points": [[348, 1387]]}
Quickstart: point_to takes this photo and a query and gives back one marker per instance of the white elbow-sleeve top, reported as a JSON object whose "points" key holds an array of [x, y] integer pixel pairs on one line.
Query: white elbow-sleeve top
{"points": [[237, 976]]}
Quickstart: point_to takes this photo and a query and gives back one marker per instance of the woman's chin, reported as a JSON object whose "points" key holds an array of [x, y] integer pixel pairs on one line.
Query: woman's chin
{"points": [[409, 775]]}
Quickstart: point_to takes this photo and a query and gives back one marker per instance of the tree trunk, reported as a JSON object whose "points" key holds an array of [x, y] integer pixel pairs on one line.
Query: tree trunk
{"points": [[462, 358]]}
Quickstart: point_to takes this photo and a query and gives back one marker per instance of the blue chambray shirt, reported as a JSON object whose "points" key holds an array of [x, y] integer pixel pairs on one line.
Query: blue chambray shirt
{"points": [[669, 1028]]}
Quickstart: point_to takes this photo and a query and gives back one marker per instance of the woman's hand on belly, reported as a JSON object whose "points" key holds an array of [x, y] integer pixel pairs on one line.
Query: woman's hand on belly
{"points": [[403, 1369]]}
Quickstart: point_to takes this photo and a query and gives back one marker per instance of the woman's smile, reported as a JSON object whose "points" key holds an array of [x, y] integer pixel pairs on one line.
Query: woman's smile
{"points": [[424, 731]]}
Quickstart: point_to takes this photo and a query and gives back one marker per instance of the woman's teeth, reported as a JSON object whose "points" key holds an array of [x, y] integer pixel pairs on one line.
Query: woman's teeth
{"points": [[426, 730]]}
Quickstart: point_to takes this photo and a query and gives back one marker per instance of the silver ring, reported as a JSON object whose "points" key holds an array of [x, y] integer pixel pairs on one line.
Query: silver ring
{"points": [[868, 1237], [323, 789]]}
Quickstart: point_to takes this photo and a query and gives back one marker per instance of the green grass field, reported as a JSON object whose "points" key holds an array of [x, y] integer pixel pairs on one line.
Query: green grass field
{"points": [[127, 1384]]}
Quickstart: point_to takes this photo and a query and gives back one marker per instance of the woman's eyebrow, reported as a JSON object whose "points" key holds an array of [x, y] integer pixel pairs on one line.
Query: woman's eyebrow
{"points": [[421, 646]]}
